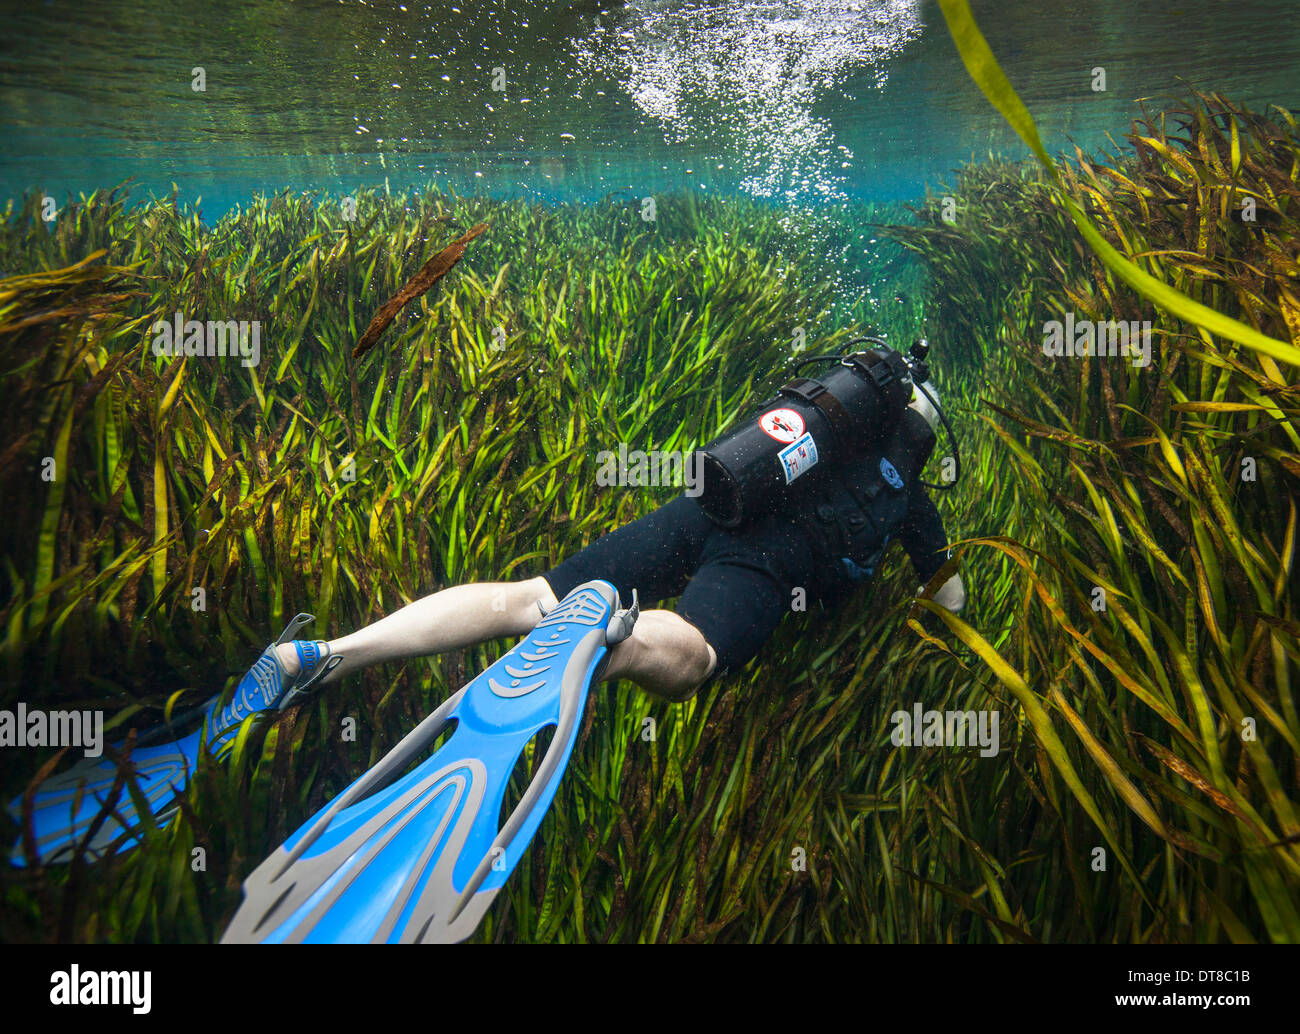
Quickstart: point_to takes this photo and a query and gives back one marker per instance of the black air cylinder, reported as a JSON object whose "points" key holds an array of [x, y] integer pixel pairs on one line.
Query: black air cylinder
{"points": [[748, 471], [916, 442]]}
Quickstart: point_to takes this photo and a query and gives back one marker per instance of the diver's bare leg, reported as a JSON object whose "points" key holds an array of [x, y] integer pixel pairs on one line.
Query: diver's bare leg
{"points": [[453, 618], [665, 655]]}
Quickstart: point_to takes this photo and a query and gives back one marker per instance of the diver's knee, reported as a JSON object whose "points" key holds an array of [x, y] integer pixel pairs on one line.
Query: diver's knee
{"points": [[665, 655], [708, 664], [696, 662], [678, 686]]}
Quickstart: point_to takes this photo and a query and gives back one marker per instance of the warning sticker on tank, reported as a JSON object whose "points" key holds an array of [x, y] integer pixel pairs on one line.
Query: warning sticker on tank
{"points": [[798, 457], [785, 425]]}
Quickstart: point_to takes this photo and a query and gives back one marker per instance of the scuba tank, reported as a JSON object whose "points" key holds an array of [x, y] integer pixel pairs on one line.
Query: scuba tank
{"points": [[750, 469]]}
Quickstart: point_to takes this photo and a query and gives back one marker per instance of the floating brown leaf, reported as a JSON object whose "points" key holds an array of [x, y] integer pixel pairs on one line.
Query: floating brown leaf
{"points": [[430, 273]]}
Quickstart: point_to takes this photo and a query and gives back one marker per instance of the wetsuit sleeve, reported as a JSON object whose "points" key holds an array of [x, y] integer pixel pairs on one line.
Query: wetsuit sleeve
{"points": [[922, 534]]}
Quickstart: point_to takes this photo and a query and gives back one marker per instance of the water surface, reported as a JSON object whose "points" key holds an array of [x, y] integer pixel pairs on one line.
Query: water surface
{"points": [[808, 102]]}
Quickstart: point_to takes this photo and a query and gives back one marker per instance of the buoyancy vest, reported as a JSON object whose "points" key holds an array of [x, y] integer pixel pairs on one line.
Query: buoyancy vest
{"points": [[858, 505]]}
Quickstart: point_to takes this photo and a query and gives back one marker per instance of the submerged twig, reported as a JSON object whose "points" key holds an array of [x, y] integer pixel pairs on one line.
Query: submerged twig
{"points": [[430, 273]]}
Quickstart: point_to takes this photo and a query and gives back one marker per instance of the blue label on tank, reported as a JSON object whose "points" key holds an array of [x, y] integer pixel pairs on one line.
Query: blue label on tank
{"points": [[798, 456], [891, 475]]}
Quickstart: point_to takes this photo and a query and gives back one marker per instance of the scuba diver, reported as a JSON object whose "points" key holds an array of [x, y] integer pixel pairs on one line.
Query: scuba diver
{"points": [[417, 855], [737, 558], [797, 505]]}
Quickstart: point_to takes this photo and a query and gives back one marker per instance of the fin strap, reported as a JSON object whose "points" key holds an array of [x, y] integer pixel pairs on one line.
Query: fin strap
{"points": [[291, 629]]}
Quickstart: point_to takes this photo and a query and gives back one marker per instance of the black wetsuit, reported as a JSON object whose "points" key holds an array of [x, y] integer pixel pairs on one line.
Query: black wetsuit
{"points": [[735, 585]]}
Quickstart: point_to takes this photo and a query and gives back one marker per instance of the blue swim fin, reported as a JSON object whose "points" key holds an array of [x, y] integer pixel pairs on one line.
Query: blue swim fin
{"points": [[418, 856], [66, 807]]}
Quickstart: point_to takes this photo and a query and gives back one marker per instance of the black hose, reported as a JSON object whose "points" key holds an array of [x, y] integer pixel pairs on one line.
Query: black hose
{"points": [[841, 354]]}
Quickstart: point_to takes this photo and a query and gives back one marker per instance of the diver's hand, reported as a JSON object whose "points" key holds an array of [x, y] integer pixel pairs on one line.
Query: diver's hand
{"points": [[951, 595]]}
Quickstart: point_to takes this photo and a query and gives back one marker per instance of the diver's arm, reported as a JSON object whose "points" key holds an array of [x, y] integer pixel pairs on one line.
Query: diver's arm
{"points": [[926, 542]]}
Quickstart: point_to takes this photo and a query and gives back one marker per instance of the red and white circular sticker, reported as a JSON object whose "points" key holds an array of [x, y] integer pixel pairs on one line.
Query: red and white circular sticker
{"points": [[785, 425]]}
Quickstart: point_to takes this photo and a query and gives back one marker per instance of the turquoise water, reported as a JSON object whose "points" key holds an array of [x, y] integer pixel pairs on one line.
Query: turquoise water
{"points": [[798, 102]]}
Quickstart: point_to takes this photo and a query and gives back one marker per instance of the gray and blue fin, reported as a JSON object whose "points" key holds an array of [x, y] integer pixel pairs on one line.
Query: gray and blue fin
{"points": [[418, 855], [67, 806]]}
